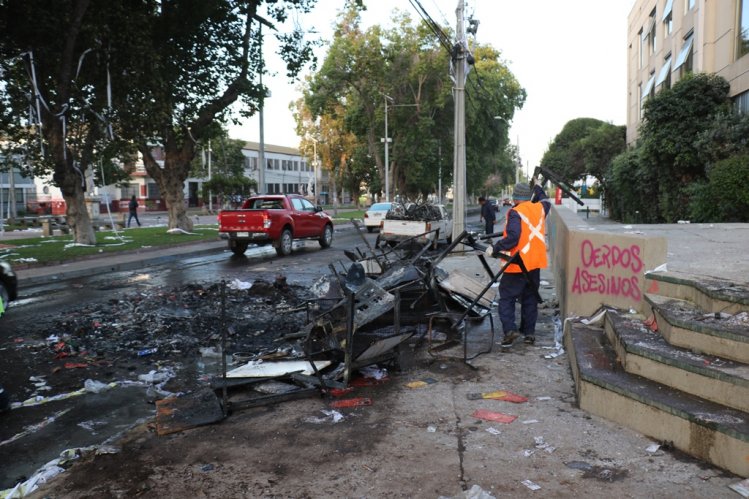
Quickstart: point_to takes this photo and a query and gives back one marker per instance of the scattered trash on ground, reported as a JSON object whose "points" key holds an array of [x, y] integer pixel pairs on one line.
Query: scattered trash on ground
{"points": [[330, 417], [497, 417], [531, 485], [498, 395], [742, 487]]}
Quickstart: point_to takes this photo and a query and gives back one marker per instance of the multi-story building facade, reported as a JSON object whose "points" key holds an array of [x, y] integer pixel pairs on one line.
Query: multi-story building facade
{"points": [[286, 172], [670, 38]]}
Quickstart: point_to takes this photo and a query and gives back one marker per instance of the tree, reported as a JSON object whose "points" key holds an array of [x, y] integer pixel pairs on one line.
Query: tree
{"points": [[405, 67], [57, 59], [203, 56], [566, 154], [671, 121]]}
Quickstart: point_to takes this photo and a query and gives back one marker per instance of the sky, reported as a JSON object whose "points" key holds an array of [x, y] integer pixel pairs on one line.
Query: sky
{"points": [[570, 56]]}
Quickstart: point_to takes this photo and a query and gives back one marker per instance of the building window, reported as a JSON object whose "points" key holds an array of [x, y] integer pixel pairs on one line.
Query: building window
{"points": [[741, 102], [688, 5], [641, 49], [651, 34], [276, 164], [743, 41], [664, 76], [649, 89], [269, 162], [683, 61], [668, 18], [153, 191]]}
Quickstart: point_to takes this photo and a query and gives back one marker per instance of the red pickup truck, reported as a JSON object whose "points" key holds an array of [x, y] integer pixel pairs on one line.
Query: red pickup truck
{"points": [[274, 219]]}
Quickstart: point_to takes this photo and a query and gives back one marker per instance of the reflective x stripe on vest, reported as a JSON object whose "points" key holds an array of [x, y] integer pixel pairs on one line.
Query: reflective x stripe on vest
{"points": [[532, 242]]}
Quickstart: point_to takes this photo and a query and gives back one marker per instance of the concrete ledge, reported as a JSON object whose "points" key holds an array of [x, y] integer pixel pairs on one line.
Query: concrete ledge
{"points": [[677, 323], [711, 294], [696, 426], [648, 354]]}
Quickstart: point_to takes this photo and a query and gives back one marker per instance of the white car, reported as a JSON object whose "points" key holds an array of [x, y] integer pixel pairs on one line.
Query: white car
{"points": [[376, 214]]}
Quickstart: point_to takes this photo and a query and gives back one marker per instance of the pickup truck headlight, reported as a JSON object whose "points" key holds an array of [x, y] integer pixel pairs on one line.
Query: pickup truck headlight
{"points": [[266, 223]]}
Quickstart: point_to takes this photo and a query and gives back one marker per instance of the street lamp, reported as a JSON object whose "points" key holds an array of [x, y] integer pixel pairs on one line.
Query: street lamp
{"points": [[387, 140]]}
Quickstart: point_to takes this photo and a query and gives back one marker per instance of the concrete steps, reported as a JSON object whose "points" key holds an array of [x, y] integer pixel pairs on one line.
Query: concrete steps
{"points": [[684, 324], [687, 382], [704, 429], [648, 354]]}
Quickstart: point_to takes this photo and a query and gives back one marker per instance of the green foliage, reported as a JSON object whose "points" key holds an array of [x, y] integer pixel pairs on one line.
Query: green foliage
{"points": [[632, 190], [585, 146], [725, 196], [671, 121], [226, 187]]}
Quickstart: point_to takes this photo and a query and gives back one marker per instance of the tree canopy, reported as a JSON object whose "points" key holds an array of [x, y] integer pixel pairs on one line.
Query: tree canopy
{"points": [[404, 69], [136, 73]]}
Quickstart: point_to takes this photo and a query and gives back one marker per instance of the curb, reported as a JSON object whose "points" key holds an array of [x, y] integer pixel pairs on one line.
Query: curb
{"points": [[56, 273]]}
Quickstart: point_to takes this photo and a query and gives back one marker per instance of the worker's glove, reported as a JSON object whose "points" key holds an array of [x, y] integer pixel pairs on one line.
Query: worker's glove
{"points": [[489, 251]]}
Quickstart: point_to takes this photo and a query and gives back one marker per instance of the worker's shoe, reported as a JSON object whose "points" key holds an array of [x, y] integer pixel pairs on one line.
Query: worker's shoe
{"points": [[509, 338], [529, 340]]}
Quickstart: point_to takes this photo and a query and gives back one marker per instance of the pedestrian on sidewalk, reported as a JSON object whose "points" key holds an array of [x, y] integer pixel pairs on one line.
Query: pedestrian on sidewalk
{"points": [[487, 215], [524, 233], [133, 208]]}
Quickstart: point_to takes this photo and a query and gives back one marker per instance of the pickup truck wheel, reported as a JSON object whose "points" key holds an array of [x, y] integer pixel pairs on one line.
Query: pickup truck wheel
{"points": [[285, 243], [327, 237], [237, 247]]}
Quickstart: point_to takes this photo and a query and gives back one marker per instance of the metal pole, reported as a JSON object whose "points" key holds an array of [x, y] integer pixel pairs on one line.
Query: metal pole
{"points": [[210, 194], [314, 172], [261, 153], [387, 159], [439, 180], [459, 168]]}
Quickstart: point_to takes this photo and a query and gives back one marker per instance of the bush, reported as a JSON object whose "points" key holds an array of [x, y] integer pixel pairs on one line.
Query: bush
{"points": [[724, 197]]}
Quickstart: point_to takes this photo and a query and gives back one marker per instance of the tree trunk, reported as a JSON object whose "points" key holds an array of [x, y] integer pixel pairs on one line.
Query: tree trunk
{"points": [[174, 195], [171, 179], [78, 218], [71, 183]]}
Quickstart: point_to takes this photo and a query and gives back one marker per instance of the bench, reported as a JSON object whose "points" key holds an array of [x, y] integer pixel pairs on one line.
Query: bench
{"points": [[50, 224]]}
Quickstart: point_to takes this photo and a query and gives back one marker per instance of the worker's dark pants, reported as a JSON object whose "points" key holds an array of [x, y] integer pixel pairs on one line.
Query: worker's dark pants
{"points": [[489, 226], [514, 288]]}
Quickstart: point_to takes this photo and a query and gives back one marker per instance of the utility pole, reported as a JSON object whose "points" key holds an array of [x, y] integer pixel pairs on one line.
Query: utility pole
{"points": [[210, 194], [459, 163], [387, 141], [261, 153], [439, 174]]}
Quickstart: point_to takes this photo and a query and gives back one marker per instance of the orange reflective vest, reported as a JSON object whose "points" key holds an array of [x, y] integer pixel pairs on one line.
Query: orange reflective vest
{"points": [[532, 242]]}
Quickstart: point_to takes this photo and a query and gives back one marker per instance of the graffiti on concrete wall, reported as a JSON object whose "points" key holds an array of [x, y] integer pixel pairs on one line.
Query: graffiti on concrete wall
{"points": [[609, 269]]}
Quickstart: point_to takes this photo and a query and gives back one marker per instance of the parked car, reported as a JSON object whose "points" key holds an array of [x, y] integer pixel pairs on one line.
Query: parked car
{"points": [[8, 286], [374, 216], [274, 219]]}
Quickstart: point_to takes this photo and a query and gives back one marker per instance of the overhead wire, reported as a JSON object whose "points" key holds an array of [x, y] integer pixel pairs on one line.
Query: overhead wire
{"points": [[435, 28]]}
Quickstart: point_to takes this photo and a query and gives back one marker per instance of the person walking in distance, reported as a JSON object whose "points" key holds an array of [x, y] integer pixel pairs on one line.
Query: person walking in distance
{"points": [[133, 209], [525, 234], [487, 215]]}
